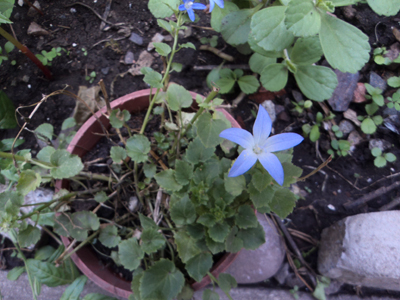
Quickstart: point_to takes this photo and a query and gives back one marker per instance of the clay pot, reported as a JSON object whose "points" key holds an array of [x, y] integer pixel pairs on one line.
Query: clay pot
{"points": [[85, 139]]}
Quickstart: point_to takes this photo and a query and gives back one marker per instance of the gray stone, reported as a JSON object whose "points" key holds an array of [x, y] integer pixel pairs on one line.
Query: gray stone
{"points": [[157, 38], [33, 12], [381, 144], [37, 30], [105, 70], [354, 139], [344, 92], [129, 57], [363, 250], [137, 39], [270, 108], [297, 95], [346, 127], [258, 265], [20, 289], [376, 81], [287, 278]]}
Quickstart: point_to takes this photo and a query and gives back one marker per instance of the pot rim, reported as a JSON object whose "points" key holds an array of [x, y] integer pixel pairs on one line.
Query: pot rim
{"points": [[83, 141]]}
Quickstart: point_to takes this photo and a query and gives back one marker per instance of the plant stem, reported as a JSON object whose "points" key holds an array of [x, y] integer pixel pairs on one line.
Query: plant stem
{"points": [[216, 280], [91, 237], [27, 52]]}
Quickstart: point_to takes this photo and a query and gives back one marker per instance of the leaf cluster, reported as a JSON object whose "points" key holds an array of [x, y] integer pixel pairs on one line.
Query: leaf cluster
{"points": [[381, 158]]}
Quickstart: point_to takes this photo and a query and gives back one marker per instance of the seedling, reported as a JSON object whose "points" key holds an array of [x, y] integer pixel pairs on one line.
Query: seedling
{"points": [[47, 57], [375, 94], [301, 106], [369, 123], [91, 77], [248, 84], [8, 47], [294, 292], [213, 41], [340, 147], [394, 82], [380, 59], [381, 159], [313, 131], [337, 131], [394, 101], [84, 51]]}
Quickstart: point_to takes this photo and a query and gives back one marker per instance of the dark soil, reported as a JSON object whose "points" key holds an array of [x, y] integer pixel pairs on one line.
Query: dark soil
{"points": [[320, 207]]}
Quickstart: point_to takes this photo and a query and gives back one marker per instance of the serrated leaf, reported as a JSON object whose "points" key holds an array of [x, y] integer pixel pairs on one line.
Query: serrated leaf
{"points": [[178, 97], [233, 244], [135, 285], [283, 202], [207, 220], [316, 82], [302, 18], [152, 240], [245, 217], [292, 173], [162, 48], [65, 164], [215, 247], [274, 77], [219, 232], [28, 236], [48, 274], [118, 154], [258, 49], [261, 180], [385, 7], [261, 198], [248, 84], [152, 77], [258, 62], [368, 126], [7, 117], [306, 51], [183, 172], [197, 152], [235, 27], [226, 282], [234, 185], [118, 117], [45, 154], [186, 245], [208, 130], [252, 237], [183, 211], [218, 14], [137, 148], [163, 8], [269, 30], [199, 265], [77, 224], [166, 179], [163, 281], [130, 253], [345, 47], [146, 222], [73, 291], [210, 295], [109, 236], [28, 181]]}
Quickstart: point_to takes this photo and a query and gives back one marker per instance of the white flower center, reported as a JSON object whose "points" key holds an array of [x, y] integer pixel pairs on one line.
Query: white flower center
{"points": [[257, 149], [188, 5]]}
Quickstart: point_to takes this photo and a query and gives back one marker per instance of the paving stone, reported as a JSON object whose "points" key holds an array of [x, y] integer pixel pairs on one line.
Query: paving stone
{"points": [[344, 92], [253, 266], [363, 250], [376, 81]]}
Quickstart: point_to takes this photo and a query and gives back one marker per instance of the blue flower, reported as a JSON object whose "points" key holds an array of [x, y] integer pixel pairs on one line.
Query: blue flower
{"points": [[189, 5], [259, 146], [220, 3]]}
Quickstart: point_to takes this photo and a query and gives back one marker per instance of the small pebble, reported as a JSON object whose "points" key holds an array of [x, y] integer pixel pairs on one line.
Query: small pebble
{"points": [[48, 119], [105, 70], [331, 207], [392, 170], [339, 191], [74, 44], [29, 86], [72, 10], [369, 180]]}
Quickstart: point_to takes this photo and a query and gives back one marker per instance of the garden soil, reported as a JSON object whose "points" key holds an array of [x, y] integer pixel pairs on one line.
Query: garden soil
{"points": [[88, 48]]}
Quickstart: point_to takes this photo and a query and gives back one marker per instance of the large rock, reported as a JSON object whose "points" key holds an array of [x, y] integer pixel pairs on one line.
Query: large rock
{"points": [[363, 250], [258, 265]]}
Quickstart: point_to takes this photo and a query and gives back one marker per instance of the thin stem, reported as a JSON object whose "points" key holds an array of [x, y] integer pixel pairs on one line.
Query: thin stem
{"points": [[216, 280], [91, 237]]}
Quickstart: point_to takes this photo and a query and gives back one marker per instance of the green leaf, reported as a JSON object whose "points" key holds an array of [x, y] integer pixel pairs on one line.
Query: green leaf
{"points": [[166, 179], [219, 232], [218, 14], [45, 130], [197, 152], [248, 84], [77, 224], [186, 245], [183, 172], [261, 198], [292, 173], [130, 253], [368, 126], [135, 286], [28, 181], [162, 48], [45, 154], [73, 291], [118, 154], [6, 144], [274, 77], [206, 219], [137, 148], [376, 152], [345, 47], [199, 265], [390, 157], [319, 292], [178, 97], [44, 253], [118, 117], [215, 247], [95, 296], [380, 162], [109, 236], [302, 18], [385, 7], [152, 240], [246, 217], [15, 272], [252, 237], [149, 170], [28, 236], [225, 85], [101, 197], [316, 82], [226, 282], [306, 51], [6, 8], [163, 281], [163, 8], [234, 185], [183, 212], [208, 130], [258, 62], [235, 27], [65, 164], [48, 274], [314, 133], [210, 295], [233, 244], [164, 24], [146, 222], [269, 30], [68, 123], [371, 108], [152, 77], [177, 67], [283, 202], [394, 81]]}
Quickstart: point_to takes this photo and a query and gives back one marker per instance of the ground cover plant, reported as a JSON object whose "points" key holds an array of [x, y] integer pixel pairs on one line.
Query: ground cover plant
{"points": [[314, 215]]}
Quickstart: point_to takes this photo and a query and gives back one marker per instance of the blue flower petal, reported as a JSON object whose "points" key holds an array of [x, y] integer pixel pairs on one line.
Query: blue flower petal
{"points": [[191, 14], [182, 7], [243, 163], [212, 3], [272, 164], [238, 136], [282, 141], [220, 3], [198, 6], [262, 126]]}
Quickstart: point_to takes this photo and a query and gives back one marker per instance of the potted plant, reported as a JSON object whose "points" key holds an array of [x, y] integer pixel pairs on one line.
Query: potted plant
{"points": [[187, 202]]}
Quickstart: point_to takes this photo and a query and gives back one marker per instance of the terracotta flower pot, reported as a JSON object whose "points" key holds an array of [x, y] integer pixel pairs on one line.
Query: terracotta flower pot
{"points": [[85, 139]]}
